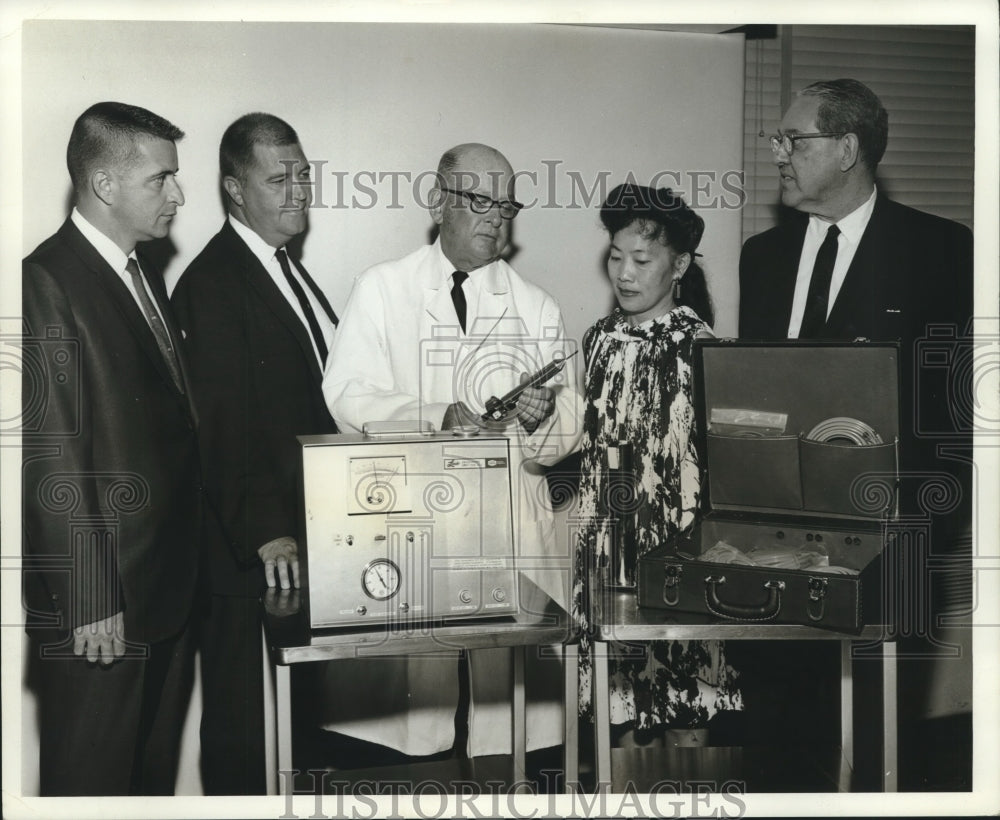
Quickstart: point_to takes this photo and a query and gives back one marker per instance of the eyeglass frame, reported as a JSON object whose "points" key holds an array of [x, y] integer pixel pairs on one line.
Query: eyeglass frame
{"points": [[477, 200], [778, 140]]}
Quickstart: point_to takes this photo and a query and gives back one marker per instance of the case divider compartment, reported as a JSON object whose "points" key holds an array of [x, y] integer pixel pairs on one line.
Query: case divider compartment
{"points": [[848, 479], [755, 472]]}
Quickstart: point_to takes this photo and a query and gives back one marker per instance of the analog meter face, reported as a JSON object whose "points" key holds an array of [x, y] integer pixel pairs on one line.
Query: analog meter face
{"points": [[380, 579], [378, 485]]}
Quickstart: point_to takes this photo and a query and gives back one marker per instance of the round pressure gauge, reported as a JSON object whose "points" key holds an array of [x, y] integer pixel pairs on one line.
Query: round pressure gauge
{"points": [[380, 579]]}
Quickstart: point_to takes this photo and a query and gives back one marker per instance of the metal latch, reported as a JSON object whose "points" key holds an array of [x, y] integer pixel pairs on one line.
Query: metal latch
{"points": [[671, 584], [816, 605]]}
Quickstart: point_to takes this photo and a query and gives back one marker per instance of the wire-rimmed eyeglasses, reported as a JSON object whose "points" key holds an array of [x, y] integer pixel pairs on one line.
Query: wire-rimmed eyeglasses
{"points": [[481, 204], [786, 142]]}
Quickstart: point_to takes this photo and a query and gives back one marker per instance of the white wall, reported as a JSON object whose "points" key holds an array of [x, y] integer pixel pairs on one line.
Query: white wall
{"points": [[558, 101], [390, 98]]}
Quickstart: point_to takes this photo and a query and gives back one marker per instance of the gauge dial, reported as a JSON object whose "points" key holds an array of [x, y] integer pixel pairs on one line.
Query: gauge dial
{"points": [[379, 486], [380, 579]]}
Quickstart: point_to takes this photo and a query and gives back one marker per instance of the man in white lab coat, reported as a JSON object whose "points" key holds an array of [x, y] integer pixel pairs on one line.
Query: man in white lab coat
{"points": [[430, 337]]}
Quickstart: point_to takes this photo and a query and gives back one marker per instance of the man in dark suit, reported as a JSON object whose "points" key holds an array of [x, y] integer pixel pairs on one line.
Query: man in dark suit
{"points": [[257, 331], [848, 262], [111, 476], [896, 269]]}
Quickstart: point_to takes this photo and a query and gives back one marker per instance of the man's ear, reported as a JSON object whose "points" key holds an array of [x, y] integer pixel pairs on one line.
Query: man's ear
{"points": [[233, 189], [435, 201], [103, 184], [851, 151]]}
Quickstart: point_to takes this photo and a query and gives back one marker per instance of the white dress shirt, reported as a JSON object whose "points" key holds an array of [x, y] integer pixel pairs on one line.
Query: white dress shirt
{"points": [[266, 254], [472, 286], [117, 259], [852, 228]]}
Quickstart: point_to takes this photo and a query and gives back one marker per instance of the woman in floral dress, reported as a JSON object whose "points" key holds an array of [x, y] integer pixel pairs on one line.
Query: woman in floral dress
{"points": [[639, 483]]}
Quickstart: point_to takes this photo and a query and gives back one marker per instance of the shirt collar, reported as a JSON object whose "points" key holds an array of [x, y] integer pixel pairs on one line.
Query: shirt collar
{"points": [[853, 225], [103, 244], [489, 277], [258, 247]]}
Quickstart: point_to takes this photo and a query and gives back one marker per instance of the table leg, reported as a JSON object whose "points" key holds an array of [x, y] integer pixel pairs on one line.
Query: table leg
{"points": [[283, 711], [602, 715], [847, 706], [520, 715], [270, 723], [571, 740], [890, 723]]}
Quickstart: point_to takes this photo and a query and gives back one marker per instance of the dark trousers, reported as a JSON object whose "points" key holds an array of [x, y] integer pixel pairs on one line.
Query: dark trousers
{"points": [[113, 730], [232, 683], [791, 691]]}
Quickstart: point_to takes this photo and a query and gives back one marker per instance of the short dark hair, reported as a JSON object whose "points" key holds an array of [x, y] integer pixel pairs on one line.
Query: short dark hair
{"points": [[236, 148], [107, 133], [665, 216], [850, 106]]}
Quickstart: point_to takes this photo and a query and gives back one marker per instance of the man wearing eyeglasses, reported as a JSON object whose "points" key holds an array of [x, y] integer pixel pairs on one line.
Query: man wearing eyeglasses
{"points": [[430, 337], [850, 263]]}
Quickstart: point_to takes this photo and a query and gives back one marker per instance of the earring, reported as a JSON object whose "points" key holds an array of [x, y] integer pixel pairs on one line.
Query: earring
{"points": [[677, 288]]}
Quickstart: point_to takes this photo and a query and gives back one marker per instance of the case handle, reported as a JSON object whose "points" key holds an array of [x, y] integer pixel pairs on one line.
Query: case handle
{"points": [[764, 612]]}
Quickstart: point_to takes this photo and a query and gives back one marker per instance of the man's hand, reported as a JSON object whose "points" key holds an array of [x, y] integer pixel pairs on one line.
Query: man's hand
{"points": [[104, 640], [281, 553], [534, 405]]}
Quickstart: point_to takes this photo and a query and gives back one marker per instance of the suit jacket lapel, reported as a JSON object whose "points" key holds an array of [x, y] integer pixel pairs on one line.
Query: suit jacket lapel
{"points": [[261, 282], [857, 296], [494, 316], [159, 290], [436, 296], [124, 301], [440, 307], [786, 272]]}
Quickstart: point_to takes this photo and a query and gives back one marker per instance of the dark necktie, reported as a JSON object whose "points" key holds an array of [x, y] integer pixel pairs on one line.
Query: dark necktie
{"points": [[307, 310], [818, 300], [458, 296], [155, 324]]}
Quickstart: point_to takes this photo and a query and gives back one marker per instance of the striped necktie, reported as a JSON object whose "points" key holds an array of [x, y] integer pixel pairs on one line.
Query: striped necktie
{"points": [[307, 310], [155, 323]]}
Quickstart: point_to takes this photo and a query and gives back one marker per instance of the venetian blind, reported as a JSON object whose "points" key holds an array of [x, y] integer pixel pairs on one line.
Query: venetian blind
{"points": [[925, 76]]}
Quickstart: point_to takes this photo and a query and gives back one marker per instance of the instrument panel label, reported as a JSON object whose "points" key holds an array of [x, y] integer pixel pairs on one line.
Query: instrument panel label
{"points": [[476, 562], [475, 463]]}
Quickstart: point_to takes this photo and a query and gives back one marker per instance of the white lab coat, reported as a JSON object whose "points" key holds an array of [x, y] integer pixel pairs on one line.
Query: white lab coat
{"points": [[399, 354]]}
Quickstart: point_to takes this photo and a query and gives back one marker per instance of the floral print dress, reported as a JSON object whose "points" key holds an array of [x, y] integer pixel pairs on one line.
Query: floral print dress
{"points": [[639, 402]]}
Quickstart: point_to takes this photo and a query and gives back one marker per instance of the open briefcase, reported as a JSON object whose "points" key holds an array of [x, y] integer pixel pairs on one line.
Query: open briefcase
{"points": [[800, 463]]}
